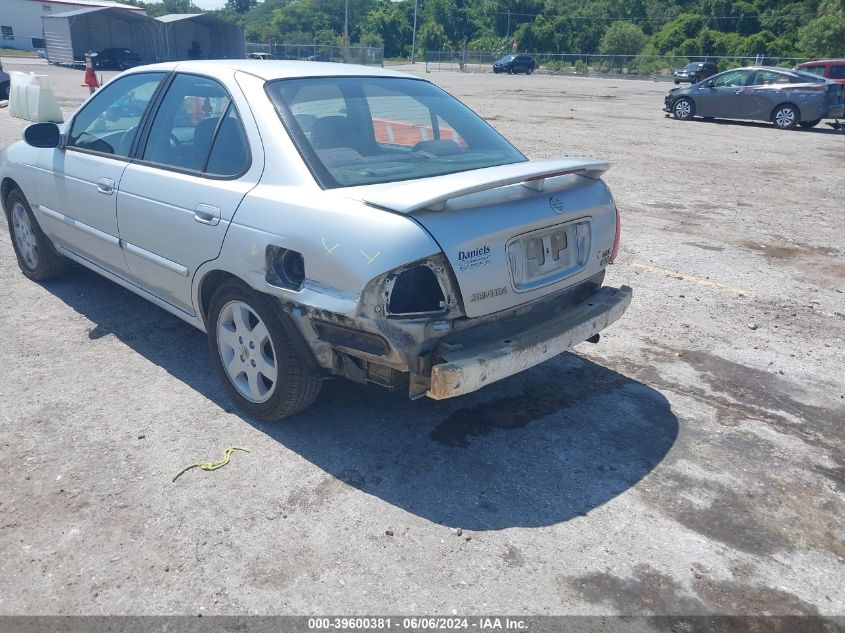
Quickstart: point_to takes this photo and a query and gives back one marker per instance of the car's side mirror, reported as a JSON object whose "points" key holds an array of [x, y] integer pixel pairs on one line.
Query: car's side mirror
{"points": [[42, 135], [708, 83]]}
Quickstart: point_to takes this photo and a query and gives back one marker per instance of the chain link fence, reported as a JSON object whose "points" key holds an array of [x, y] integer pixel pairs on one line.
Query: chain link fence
{"points": [[656, 66], [367, 55]]}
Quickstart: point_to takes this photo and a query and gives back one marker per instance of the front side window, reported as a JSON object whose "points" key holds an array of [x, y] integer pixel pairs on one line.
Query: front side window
{"points": [[192, 114], [109, 122], [732, 78], [364, 130]]}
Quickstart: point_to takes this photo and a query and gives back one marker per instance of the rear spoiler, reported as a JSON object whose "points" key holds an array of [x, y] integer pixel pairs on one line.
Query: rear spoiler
{"points": [[433, 193]]}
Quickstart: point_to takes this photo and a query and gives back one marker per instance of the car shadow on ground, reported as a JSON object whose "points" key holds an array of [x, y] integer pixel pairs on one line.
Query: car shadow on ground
{"points": [[821, 128], [546, 446]]}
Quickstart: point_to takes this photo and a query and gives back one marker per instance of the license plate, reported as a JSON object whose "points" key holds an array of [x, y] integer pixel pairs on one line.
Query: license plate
{"points": [[543, 257]]}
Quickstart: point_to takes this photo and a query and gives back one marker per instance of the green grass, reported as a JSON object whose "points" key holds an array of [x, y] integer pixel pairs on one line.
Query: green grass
{"points": [[15, 52]]}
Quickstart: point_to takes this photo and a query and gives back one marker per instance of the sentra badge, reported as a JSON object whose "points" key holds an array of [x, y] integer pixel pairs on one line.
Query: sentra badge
{"points": [[487, 294]]}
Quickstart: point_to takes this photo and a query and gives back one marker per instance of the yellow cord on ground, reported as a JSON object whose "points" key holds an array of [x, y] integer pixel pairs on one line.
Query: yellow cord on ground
{"points": [[211, 465]]}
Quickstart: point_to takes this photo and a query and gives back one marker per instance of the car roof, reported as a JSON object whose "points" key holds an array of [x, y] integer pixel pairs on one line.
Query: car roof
{"points": [[273, 69], [820, 62]]}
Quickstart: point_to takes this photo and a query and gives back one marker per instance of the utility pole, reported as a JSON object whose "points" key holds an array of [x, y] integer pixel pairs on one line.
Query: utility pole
{"points": [[508, 32], [346, 31], [414, 34]]}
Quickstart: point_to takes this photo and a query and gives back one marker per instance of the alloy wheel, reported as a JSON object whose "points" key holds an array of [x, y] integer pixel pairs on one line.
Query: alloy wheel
{"points": [[785, 117], [24, 236], [246, 351], [683, 109]]}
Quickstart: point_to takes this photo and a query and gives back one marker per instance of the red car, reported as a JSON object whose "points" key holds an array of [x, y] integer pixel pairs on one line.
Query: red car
{"points": [[833, 69]]}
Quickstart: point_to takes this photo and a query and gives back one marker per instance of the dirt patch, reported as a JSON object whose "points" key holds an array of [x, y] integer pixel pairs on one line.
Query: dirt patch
{"points": [[649, 591]]}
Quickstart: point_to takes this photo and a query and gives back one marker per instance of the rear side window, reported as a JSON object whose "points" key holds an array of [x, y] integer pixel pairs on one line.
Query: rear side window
{"points": [[229, 154], [197, 128], [837, 72]]}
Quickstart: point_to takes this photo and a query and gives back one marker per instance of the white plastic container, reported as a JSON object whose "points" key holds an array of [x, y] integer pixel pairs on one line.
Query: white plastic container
{"points": [[31, 98]]}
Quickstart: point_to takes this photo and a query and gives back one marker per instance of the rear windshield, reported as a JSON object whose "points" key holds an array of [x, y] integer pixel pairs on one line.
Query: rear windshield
{"points": [[365, 130]]}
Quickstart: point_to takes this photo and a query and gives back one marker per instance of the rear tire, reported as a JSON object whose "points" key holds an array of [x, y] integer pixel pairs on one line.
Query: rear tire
{"points": [[683, 109], [36, 255], [786, 117], [809, 124], [254, 356]]}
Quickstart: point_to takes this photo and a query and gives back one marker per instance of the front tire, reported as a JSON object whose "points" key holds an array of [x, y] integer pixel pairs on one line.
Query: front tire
{"points": [[36, 255], [786, 117], [807, 125], [683, 109], [254, 356], [4, 91]]}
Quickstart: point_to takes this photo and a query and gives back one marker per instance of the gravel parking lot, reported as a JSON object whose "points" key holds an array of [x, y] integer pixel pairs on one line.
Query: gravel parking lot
{"points": [[693, 462]]}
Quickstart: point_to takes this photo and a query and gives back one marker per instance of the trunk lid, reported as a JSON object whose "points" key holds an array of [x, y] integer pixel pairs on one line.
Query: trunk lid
{"points": [[512, 233]]}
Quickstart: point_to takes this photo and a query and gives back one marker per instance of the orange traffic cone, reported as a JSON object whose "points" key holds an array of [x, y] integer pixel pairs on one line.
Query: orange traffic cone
{"points": [[90, 77]]}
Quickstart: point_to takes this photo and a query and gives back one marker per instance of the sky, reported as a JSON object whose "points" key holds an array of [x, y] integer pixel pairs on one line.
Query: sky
{"points": [[209, 4]]}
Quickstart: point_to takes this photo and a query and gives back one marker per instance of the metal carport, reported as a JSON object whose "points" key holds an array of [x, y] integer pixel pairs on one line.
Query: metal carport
{"points": [[69, 34], [200, 36]]}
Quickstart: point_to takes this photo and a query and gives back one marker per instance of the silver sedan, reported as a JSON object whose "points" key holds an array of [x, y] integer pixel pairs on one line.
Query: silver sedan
{"points": [[320, 220]]}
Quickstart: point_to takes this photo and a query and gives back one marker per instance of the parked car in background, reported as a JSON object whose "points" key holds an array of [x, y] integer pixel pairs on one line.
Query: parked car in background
{"points": [[5, 82], [117, 59], [786, 98], [833, 69], [695, 72], [512, 64], [264, 56], [435, 257], [319, 57]]}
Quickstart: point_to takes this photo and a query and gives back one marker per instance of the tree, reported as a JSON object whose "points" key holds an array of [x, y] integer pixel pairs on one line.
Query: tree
{"points": [[432, 36], [240, 6], [623, 38], [823, 37]]}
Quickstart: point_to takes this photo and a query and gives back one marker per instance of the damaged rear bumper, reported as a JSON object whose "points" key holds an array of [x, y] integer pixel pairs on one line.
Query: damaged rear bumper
{"points": [[467, 370]]}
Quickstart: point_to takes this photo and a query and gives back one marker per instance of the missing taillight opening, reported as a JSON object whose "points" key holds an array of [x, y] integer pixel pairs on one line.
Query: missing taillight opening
{"points": [[416, 291]]}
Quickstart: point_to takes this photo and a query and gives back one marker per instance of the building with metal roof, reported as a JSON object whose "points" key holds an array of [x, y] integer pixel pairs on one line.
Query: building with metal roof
{"points": [[173, 37], [20, 20]]}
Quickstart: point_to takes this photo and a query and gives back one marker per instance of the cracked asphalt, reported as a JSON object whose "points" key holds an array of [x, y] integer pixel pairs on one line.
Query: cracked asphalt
{"points": [[692, 462]]}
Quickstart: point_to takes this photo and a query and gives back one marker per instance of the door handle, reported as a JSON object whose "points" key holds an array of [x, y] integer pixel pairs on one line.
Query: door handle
{"points": [[207, 214], [106, 186]]}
